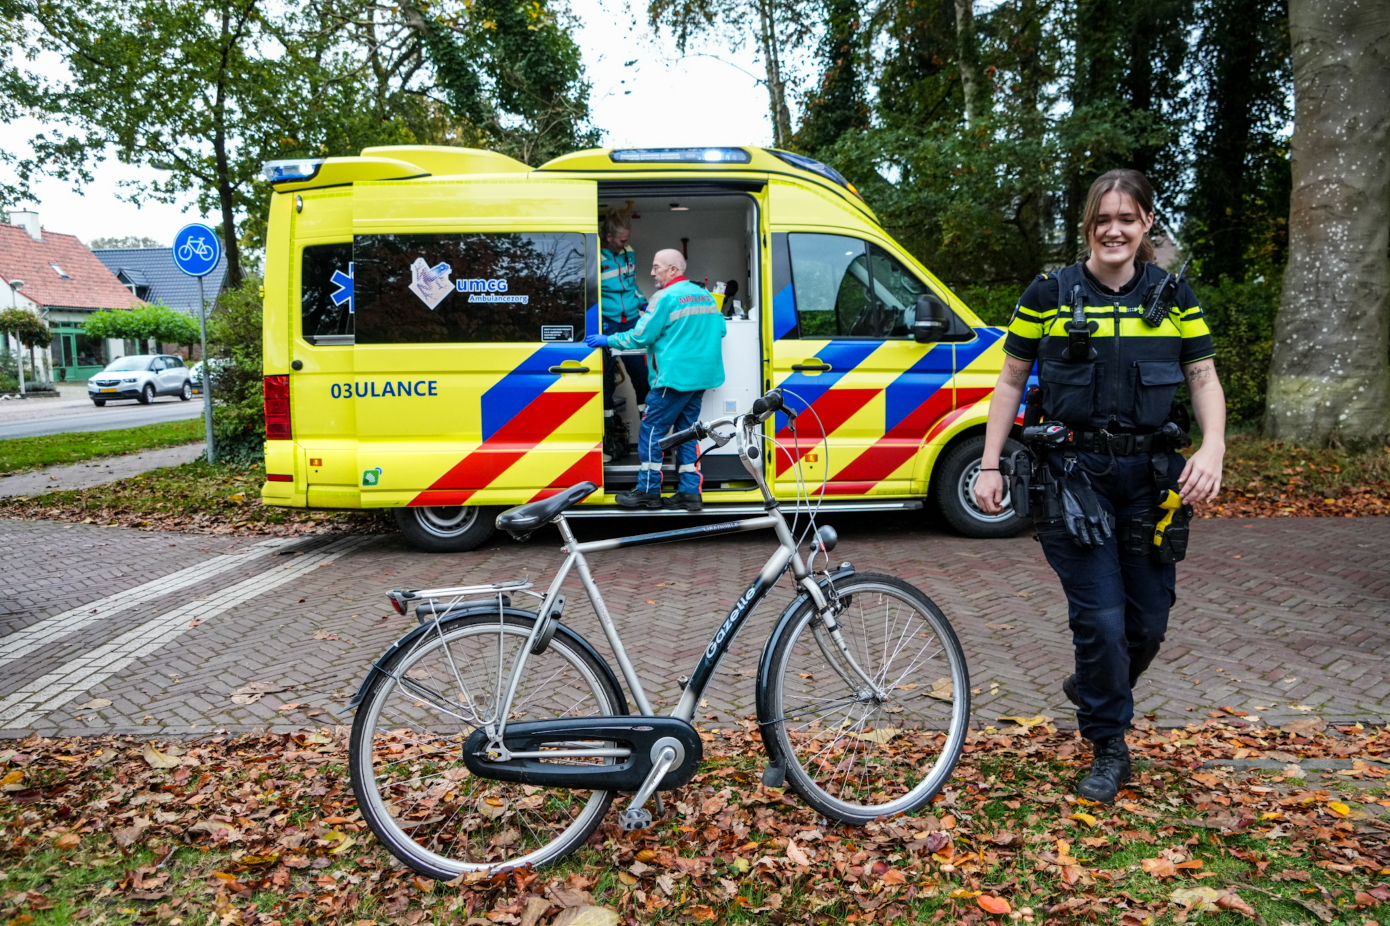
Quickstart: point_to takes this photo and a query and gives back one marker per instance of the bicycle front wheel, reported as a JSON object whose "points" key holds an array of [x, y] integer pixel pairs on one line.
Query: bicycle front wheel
{"points": [[406, 752], [856, 752]]}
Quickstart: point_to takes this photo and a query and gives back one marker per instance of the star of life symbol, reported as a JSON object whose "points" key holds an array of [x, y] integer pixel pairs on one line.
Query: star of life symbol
{"points": [[344, 291], [431, 284]]}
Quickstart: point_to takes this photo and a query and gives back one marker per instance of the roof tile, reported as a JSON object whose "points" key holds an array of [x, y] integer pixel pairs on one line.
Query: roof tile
{"points": [[90, 285]]}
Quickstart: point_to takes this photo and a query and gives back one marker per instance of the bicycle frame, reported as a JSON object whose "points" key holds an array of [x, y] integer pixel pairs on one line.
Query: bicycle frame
{"points": [[786, 555]]}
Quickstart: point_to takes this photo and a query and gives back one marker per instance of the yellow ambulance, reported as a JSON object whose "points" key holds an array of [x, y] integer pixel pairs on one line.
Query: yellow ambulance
{"points": [[426, 308]]}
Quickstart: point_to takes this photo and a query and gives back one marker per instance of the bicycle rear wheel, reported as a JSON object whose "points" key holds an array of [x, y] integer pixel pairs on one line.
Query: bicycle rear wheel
{"points": [[407, 739], [852, 755]]}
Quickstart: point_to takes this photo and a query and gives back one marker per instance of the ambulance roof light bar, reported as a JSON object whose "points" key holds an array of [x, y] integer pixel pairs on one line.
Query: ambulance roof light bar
{"points": [[681, 155], [295, 169]]}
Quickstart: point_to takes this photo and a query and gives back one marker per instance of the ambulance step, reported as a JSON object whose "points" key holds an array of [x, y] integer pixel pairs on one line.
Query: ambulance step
{"points": [[719, 510]]}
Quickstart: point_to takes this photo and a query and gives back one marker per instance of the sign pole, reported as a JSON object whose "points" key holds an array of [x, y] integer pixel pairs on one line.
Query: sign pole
{"points": [[207, 367]]}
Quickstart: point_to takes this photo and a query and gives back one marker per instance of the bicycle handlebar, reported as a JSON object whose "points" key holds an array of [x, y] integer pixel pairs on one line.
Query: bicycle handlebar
{"points": [[762, 408]]}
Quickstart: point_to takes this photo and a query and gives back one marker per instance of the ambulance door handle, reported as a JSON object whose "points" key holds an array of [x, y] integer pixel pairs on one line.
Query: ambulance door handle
{"points": [[569, 369], [811, 367]]}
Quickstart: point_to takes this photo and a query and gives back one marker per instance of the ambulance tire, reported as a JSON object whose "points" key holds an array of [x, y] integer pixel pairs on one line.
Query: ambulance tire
{"points": [[952, 489], [441, 529]]}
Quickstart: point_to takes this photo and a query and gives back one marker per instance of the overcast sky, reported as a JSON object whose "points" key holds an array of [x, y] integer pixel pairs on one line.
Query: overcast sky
{"points": [[661, 100]]}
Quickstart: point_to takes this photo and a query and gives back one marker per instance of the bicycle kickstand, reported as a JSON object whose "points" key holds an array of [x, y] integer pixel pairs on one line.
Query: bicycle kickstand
{"points": [[637, 816]]}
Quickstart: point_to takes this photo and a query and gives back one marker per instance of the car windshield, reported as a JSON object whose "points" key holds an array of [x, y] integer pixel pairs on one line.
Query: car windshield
{"points": [[126, 364]]}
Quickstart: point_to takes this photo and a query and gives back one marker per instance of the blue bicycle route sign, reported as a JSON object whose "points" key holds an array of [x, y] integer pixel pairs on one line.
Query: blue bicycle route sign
{"points": [[197, 249]]}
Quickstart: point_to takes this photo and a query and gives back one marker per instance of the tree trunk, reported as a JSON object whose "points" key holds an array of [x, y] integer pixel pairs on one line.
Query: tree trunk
{"points": [[776, 86], [1328, 378], [968, 54], [225, 196]]}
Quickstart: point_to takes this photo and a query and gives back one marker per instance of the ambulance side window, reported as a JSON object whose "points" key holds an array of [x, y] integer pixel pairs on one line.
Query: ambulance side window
{"points": [[325, 291], [896, 290], [464, 287], [830, 277]]}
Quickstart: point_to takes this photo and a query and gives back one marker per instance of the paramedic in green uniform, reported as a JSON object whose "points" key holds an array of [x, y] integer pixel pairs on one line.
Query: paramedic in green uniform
{"points": [[623, 303], [1114, 391], [682, 331]]}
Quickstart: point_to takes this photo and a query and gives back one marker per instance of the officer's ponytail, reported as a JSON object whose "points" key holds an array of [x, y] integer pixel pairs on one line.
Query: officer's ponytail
{"points": [[1134, 185]]}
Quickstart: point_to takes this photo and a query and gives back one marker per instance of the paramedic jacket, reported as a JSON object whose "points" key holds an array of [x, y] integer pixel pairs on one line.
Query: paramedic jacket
{"points": [[681, 331], [1131, 382], [618, 281]]}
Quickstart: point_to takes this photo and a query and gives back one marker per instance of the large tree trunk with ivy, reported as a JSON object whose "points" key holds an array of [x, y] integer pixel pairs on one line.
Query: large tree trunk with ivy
{"points": [[1329, 379], [768, 44]]}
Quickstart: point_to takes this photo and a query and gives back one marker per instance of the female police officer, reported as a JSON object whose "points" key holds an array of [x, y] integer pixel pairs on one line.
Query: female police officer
{"points": [[1108, 371]]}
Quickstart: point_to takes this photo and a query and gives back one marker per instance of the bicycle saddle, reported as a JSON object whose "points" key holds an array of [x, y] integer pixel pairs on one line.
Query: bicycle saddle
{"points": [[525, 518]]}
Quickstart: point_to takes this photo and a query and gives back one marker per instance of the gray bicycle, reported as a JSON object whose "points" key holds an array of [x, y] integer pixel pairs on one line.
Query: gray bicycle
{"points": [[494, 736]]}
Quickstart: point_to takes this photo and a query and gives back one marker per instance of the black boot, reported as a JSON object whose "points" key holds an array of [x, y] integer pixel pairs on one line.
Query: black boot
{"points": [[690, 501], [636, 498], [1109, 770], [1069, 689]]}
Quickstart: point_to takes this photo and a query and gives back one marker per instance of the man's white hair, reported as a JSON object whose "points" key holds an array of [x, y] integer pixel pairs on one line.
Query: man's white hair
{"points": [[671, 258]]}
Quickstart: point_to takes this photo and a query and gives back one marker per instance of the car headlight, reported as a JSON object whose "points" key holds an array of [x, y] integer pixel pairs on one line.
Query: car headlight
{"points": [[128, 379]]}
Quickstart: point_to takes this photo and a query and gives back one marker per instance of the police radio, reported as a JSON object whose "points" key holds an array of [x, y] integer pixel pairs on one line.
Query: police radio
{"points": [[1079, 330], [1160, 300]]}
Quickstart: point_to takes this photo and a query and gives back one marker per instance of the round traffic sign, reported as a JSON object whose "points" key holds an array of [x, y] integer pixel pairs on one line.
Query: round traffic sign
{"points": [[197, 249]]}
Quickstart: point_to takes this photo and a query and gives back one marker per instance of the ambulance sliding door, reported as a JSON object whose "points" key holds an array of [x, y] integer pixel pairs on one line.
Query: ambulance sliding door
{"points": [[473, 384]]}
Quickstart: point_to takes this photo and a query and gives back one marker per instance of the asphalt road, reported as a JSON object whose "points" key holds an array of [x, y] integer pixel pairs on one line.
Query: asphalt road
{"points": [[40, 417]]}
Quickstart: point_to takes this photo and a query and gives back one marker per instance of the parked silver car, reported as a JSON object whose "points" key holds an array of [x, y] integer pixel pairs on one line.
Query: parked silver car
{"points": [[140, 377]]}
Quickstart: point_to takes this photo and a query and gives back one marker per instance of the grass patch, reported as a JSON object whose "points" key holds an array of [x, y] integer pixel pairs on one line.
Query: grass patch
{"points": [[197, 496], [18, 454], [258, 829]]}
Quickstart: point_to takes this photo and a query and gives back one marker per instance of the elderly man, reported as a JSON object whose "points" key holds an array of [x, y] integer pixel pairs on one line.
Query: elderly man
{"points": [[681, 331]]}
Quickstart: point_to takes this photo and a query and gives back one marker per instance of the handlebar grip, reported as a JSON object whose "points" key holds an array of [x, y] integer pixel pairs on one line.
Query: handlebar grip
{"points": [[772, 402], [680, 437]]}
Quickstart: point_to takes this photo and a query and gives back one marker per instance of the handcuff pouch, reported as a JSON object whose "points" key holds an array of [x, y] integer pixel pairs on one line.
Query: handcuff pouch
{"points": [[1138, 533]]}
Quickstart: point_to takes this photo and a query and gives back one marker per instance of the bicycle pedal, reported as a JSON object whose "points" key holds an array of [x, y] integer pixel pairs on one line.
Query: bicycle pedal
{"points": [[635, 818]]}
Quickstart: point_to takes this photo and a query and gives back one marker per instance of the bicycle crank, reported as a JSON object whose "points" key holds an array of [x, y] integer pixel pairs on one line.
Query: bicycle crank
{"points": [[614, 753]]}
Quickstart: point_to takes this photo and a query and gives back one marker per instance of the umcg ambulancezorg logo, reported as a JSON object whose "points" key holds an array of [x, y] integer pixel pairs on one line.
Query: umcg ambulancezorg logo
{"points": [[371, 477]]}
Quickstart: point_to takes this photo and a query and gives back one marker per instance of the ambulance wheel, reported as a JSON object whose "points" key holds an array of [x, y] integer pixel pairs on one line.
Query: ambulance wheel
{"points": [[953, 491], [454, 529]]}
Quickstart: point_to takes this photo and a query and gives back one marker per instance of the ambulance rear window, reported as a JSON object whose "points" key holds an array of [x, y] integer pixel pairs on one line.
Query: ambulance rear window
{"points": [[325, 292], [469, 288]]}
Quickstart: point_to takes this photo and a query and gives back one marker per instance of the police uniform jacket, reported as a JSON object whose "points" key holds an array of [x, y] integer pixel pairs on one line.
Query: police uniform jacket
{"points": [[1130, 383]]}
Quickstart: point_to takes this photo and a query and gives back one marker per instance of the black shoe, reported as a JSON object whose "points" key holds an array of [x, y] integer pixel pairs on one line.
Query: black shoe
{"points": [[634, 498], [690, 501], [1069, 689], [1110, 769]]}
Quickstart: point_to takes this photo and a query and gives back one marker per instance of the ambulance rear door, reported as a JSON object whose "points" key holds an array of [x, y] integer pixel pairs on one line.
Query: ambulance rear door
{"points": [[472, 381]]}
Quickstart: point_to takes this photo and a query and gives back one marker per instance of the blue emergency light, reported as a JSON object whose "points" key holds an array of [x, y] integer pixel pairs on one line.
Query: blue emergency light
{"points": [[681, 155], [814, 166], [293, 169]]}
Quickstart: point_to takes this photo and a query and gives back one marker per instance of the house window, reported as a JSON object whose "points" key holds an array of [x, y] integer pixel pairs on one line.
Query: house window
{"points": [[59, 270]]}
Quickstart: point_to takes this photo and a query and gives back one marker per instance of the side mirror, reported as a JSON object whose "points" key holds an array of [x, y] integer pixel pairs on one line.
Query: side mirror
{"points": [[932, 320]]}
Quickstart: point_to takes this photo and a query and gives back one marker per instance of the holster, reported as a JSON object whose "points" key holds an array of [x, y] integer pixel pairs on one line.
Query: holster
{"points": [[1173, 546], [1140, 535]]}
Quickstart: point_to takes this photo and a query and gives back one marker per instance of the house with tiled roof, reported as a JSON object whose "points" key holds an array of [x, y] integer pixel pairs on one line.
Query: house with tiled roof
{"points": [[150, 273], [63, 283]]}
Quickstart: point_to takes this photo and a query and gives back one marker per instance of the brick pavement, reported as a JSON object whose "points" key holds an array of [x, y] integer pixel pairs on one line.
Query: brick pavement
{"points": [[1271, 613]]}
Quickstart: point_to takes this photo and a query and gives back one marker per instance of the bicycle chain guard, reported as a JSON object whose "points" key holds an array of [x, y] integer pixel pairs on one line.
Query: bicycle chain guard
{"points": [[635, 732]]}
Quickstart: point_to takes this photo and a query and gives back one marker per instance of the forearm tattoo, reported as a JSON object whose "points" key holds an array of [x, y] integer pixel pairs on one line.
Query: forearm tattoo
{"points": [[1017, 375]]}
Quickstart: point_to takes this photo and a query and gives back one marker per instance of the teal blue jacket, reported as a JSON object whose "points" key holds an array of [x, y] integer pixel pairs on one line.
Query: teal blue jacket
{"points": [[681, 331], [618, 283]]}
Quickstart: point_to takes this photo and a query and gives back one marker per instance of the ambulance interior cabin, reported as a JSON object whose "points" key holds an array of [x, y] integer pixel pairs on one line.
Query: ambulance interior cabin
{"points": [[716, 230]]}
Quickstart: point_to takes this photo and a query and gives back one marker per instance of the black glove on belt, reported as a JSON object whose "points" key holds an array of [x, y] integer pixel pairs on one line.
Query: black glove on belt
{"points": [[1088, 524]]}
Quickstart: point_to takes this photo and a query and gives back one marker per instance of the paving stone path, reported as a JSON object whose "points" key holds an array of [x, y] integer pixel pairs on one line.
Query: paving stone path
{"points": [[106, 629], [97, 472]]}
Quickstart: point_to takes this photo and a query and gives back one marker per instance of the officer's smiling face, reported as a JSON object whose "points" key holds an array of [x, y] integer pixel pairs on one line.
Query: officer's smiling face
{"points": [[1119, 229]]}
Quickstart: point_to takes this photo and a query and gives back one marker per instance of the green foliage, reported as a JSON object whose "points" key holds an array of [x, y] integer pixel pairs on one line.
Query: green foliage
{"points": [[1237, 212], [1241, 316], [23, 453], [238, 399], [994, 304], [26, 326], [837, 106], [515, 75], [157, 321]]}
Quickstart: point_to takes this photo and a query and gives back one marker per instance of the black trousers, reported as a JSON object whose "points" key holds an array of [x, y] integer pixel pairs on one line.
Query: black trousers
{"points": [[1117, 602]]}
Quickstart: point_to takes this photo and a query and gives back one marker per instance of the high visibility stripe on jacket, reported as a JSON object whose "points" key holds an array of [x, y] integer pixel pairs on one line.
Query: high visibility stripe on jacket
{"points": [[1130, 383], [618, 284], [682, 331]]}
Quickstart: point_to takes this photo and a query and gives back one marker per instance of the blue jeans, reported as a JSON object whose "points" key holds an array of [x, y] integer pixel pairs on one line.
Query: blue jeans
{"points": [[635, 364], [667, 409], [1117, 602]]}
